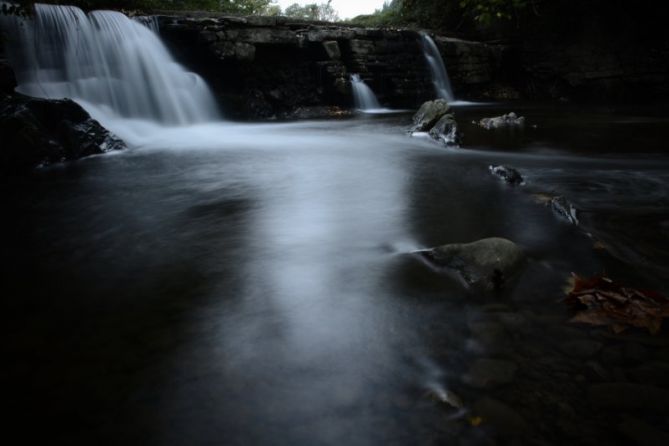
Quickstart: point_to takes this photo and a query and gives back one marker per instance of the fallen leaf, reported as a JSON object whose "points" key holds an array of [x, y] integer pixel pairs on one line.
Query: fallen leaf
{"points": [[475, 421], [601, 301]]}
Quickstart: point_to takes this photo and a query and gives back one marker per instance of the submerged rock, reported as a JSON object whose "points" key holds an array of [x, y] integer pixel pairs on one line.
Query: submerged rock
{"points": [[503, 418], [508, 174], [504, 121], [489, 373], [489, 263], [429, 114], [564, 209], [38, 132]]}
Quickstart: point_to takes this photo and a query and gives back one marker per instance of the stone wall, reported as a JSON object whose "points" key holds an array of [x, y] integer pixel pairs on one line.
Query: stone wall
{"points": [[271, 66]]}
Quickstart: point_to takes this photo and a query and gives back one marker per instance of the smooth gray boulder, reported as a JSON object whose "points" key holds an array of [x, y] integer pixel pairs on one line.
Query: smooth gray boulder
{"points": [[429, 114], [488, 263]]}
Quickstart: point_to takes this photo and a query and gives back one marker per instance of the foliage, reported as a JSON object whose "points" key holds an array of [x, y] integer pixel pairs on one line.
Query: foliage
{"points": [[244, 7], [488, 11], [313, 11]]}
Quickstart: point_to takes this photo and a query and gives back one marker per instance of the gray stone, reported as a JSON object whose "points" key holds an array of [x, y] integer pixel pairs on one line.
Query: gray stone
{"points": [[332, 49], [428, 114], [508, 174], [490, 373], [446, 130], [487, 263], [627, 396], [564, 209], [503, 418], [509, 120]]}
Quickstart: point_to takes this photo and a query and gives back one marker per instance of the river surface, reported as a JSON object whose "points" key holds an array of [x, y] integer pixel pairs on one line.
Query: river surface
{"points": [[252, 284]]}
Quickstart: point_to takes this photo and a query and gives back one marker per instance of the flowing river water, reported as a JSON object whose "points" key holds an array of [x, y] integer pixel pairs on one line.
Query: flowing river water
{"points": [[251, 284]]}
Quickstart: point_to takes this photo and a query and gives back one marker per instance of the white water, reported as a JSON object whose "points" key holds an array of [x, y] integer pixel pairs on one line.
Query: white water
{"points": [[442, 84], [365, 99], [110, 64]]}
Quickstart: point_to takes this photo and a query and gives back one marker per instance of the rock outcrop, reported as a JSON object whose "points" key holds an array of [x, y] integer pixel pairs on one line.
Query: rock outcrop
{"points": [[38, 132], [268, 66]]}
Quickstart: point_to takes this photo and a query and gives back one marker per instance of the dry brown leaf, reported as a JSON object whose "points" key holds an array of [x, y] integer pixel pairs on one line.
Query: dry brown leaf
{"points": [[601, 301]]}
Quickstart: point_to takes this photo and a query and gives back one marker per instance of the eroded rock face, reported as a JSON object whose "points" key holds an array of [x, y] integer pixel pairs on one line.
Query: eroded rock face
{"points": [[38, 132], [488, 263]]}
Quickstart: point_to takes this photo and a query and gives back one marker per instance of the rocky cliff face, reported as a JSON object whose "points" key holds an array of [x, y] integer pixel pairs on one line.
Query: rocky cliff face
{"points": [[272, 66]]}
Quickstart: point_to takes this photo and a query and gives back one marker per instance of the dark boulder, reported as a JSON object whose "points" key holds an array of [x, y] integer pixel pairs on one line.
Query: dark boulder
{"points": [[429, 114], [38, 132], [508, 174], [446, 131]]}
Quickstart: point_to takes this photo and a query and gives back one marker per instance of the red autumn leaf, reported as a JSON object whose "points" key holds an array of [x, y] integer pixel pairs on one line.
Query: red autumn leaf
{"points": [[599, 300]]}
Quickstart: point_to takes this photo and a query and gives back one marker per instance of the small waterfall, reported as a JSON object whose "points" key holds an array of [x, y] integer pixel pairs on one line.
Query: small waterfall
{"points": [[442, 83], [110, 64], [365, 99]]}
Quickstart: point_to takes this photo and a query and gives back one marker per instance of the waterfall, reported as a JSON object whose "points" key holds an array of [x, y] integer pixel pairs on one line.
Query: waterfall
{"points": [[442, 83], [108, 63], [365, 99]]}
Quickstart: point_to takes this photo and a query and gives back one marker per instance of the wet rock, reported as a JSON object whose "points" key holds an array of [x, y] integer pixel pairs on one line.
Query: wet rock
{"points": [[38, 132], [613, 355], [7, 78], [509, 120], [564, 209], [503, 418], [583, 349], [490, 373], [429, 114], [628, 396], [446, 131], [318, 112], [488, 263], [642, 433], [508, 174], [331, 47]]}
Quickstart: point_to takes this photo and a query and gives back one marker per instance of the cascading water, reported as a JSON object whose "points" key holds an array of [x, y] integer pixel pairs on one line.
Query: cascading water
{"points": [[442, 84], [113, 66], [365, 99]]}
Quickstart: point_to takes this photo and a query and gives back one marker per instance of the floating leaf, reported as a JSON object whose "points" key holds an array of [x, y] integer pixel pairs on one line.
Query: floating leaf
{"points": [[601, 301]]}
